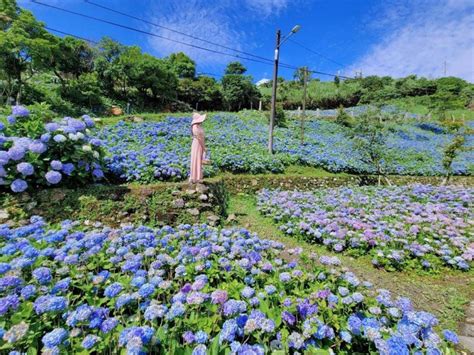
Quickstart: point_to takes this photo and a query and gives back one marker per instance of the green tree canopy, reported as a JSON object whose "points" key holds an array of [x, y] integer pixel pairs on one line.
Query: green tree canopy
{"points": [[182, 65], [235, 68]]}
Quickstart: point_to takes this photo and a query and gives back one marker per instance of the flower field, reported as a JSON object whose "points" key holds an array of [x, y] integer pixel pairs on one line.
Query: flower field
{"points": [[191, 289], [36, 154], [409, 226], [160, 150]]}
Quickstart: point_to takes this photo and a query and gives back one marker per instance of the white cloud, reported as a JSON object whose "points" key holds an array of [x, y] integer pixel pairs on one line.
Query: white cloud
{"points": [[199, 19], [418, 38], [267, 7]]}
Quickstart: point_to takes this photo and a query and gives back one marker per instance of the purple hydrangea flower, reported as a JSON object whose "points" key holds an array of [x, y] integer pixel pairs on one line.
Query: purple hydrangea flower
{"points": [[219, 297]]}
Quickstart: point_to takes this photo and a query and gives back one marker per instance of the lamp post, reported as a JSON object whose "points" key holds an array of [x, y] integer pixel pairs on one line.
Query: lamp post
{"points": [[279, 42]]}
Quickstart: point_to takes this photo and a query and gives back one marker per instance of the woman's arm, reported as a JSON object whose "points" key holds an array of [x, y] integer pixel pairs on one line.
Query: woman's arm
{"points": [[202, 140]]}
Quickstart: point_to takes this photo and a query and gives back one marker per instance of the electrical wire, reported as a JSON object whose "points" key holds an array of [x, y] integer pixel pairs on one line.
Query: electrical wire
{"points": [[71, 35], [315, 52], [283, 65], [148, 33], [175, 31]]}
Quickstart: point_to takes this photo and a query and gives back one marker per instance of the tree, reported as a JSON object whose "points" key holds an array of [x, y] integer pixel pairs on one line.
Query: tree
{"points": [[299, 73], [456, 146], [202, 93], [71, 58], [153, 78], [235, 68], [25, 46], [369, 140], [182, 65], [239, 91], [106, 63]]}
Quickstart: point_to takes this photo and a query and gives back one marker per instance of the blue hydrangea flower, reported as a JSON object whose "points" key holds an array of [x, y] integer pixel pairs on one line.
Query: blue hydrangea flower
{"points": [[18, 185], [108, 325], [25, 169], [56, 165], [68, 168], [201, 349], [59, 138], [53, 177], [20, 111], [201, 337], [16, 153], [42, 275], [89, 341], [54, 338], [146, 290], [450, 336]]}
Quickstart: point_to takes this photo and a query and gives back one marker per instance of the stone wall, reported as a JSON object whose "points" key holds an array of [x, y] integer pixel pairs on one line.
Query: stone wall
{"points": [[159, 204], [170, 203]]}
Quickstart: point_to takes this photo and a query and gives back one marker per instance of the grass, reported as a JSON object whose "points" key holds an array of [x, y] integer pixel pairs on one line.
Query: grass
{"points": [[445, 294]]}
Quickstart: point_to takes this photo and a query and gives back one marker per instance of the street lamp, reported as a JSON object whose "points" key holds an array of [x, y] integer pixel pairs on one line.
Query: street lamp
{"points": [[279, 42]]}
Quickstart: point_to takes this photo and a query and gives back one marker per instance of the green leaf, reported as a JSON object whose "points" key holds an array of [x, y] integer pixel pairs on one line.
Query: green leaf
{"points": [[215, 346]]}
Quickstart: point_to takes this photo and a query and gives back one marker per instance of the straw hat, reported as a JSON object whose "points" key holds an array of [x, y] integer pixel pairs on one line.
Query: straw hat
{"points": [[197, 118]]}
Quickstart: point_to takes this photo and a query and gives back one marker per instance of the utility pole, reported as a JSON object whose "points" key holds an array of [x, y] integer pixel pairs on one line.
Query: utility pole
{"points": [[274, 92], [445, 67], [303, 116]]}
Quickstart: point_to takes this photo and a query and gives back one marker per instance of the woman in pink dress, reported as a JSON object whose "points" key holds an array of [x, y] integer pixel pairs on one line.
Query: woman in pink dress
{"points": [[198, 148]]}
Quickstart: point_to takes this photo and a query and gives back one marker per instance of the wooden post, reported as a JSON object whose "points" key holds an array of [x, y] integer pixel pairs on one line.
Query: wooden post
{"points": [[303, 116]]}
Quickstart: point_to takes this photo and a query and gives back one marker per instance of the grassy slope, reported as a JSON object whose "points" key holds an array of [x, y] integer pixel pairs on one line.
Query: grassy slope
{"points": [[445, 294]]}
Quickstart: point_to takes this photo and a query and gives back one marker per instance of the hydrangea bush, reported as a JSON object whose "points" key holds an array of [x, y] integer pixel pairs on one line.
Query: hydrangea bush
{"points": [[405, 226], [160, 150], [47, 154], [191, 289]]}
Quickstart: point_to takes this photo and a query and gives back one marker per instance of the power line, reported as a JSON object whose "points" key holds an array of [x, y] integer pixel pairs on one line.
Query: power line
{"points": [[175, 31], [71, 35], [314, 52], [148, 33], [283, 65], [210, 42]]}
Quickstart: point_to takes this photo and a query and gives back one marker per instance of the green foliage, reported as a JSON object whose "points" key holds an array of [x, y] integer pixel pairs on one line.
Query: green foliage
{"points": [[238, 91], [369, 139], [202, 93], [182, 65], [438, 96], [280, 117], [451, 151], [235, 68], [343, 118]]}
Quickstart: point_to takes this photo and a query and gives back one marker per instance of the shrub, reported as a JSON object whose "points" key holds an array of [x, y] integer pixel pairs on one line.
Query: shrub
{"points": [[343, 118], [36, 154], [280, 117]]}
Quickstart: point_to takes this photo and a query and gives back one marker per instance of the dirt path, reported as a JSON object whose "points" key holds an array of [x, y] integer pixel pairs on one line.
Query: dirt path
{"points": [[446, 295]]}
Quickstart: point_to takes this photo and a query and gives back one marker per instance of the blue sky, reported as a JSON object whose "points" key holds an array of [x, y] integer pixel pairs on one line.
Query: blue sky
{"points": [[383, 37]]}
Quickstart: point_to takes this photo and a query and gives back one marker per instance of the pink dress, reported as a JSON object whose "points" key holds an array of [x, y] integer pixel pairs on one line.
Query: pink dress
{"points": [[197, 153]]}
